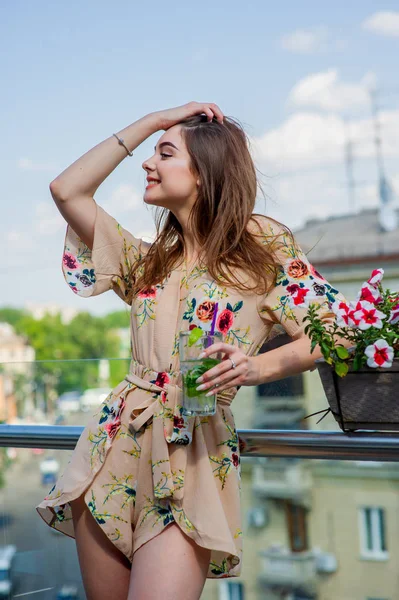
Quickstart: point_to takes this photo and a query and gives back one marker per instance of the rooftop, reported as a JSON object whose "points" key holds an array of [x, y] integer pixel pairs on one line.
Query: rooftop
{"points": [[348, 237]]}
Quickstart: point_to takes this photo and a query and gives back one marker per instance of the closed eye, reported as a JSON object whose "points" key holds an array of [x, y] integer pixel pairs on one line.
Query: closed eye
{"points": [[163, 154]]}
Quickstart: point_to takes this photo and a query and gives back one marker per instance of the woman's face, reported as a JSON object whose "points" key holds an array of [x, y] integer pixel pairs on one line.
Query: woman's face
{"points": [[177, 186]]}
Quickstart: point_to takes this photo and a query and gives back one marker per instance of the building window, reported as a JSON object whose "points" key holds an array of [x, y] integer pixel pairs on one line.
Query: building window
{"points": [[372, 533], [296, 519], [231, 590]]}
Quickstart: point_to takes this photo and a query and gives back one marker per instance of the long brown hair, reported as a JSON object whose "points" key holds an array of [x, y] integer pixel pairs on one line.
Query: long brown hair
{"points": [[220, 217]]}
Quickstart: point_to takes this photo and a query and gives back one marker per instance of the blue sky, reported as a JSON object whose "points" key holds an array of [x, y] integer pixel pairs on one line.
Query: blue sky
{"points": [[292, 72]]}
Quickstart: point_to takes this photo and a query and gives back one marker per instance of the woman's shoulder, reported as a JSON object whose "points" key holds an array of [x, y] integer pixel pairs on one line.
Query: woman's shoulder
{"points": [[267, 227]]}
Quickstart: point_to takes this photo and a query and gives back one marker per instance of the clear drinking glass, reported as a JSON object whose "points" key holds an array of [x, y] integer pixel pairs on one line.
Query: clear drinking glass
{"points": [[196, 403]]}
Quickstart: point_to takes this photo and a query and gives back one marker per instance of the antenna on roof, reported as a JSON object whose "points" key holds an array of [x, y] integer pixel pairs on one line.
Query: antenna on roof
{"points": [[387, 216], [349, 167]]}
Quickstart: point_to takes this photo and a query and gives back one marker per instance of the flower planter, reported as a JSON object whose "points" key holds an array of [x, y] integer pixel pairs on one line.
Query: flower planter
{"points": [[364, 399]]}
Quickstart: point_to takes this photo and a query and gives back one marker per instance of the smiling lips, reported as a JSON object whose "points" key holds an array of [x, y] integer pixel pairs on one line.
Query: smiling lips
{"points": [[152, 182]]}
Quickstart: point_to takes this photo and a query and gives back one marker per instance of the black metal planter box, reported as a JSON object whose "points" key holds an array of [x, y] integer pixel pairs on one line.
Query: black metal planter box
{"points": [[364, 399]]}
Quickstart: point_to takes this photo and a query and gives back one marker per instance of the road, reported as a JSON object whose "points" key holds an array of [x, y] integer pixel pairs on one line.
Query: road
{"points": [[45, 559]]}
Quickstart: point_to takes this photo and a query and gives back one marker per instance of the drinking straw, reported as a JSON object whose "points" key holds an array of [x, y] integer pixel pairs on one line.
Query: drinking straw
{"points": [[212, 331], [215, 312]]}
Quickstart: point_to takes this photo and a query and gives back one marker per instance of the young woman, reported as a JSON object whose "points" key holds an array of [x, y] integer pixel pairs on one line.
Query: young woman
{"points": [[151, 496]]}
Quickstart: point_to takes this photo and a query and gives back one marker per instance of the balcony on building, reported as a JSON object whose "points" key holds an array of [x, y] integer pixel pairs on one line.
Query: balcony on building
{"points": [[299, 572], [282, 479]]}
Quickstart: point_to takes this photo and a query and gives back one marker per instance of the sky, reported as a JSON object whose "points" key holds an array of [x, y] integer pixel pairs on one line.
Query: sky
{"points": [[296, 75]]}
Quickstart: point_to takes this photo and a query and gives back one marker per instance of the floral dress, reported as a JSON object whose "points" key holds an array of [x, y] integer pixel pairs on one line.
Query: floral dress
{"points": [[140, 463]]}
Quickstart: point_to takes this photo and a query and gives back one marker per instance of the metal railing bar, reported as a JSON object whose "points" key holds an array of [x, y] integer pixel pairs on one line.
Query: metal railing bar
{"points": [[330, 445]]}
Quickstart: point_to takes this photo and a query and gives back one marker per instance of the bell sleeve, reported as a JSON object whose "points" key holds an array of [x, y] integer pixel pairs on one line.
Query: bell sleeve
{"points": [[298, 284], [107, 266]]}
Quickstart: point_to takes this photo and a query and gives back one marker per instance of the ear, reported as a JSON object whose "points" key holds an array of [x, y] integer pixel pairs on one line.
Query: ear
{"points": [[198, 183]]}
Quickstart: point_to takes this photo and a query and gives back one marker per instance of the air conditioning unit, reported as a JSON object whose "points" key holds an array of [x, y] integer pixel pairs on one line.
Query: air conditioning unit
{"points": [[258, 517], [326, 563]]}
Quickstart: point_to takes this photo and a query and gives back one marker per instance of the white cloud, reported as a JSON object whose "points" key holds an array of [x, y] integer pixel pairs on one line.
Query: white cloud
{"points": [[304, 41], [48, 220], [325, 91], [17, 241], [310, 41], [310, 139], [26, 164], [123, 198], [304, 157], [384, 23]]}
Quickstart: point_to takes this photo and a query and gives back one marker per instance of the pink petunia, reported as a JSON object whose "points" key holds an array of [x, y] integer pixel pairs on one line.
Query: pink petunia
{"points": [[376, 277], [345, 313], [394, 315], [368, 316], [341, 311], [369, 293], [379, 354]]}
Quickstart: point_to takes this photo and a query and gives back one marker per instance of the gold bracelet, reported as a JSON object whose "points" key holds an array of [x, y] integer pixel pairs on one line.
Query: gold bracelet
{"points": [[121, 142]]}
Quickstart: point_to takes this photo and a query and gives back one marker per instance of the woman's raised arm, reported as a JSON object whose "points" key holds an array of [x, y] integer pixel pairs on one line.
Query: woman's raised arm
{"points": [[74, 188]]}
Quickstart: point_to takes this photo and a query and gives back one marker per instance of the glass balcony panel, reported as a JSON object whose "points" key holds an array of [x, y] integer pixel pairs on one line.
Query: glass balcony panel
{"points": [[35, 560]]}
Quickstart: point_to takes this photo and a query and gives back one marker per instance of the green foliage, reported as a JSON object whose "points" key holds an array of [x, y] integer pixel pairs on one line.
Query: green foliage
{"points": [[63, 349], [329, 337]]}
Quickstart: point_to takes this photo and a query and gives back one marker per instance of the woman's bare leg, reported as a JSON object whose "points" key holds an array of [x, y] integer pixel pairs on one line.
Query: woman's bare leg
{"points": [[170, 566], [105, 570]]}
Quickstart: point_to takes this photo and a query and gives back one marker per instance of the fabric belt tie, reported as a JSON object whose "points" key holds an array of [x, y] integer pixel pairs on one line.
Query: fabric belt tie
{"points": [[170, 426]]}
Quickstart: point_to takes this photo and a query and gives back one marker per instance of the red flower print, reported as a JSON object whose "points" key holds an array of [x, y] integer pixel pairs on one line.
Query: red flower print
{"points": [[192, 326], [297, 269], [315, 273], [70, 261], [205, 310], [150, 292], [112, 428], [235, 459], [178, 422], [161, 379], [163, 397], [297, 293], [225, 320]]}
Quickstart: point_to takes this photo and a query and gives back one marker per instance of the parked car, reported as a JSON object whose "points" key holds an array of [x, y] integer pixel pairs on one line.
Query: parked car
{"points": [[7, 554], [49, 468], [93, 397], [68, 592], [69, 401]]}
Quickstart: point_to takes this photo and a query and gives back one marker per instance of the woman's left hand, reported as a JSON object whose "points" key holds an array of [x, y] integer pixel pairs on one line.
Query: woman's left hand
{"points": [[223, 374]]}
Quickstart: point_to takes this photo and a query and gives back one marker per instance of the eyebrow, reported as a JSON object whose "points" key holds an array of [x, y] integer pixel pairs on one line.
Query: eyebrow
{"points": [[165, 144]]}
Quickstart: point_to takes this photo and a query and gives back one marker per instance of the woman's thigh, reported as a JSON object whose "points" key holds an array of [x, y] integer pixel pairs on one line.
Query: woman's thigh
{"points": [[105, 570], [170, 566]]}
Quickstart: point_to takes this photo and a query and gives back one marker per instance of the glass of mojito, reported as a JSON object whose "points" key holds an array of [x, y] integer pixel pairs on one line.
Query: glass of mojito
{"points": [[191, 344]]}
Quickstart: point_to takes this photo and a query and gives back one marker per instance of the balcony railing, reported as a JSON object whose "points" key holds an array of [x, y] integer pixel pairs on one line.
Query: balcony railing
{"points": [[332, 445]]}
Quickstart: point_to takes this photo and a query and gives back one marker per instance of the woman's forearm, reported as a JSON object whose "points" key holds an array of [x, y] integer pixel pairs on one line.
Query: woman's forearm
{"points": [[86, 174], [290, 359]]}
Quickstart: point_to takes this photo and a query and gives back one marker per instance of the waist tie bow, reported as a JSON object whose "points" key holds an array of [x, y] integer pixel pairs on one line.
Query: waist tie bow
{"points": [[169, 426]]}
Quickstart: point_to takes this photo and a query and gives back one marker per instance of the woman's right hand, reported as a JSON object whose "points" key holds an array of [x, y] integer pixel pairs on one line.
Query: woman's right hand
{"points": [[172, 116]]}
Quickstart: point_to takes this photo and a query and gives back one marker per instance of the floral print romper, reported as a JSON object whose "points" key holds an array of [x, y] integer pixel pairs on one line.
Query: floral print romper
{"points": [[139, 462]]}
